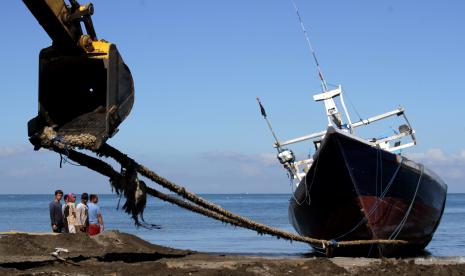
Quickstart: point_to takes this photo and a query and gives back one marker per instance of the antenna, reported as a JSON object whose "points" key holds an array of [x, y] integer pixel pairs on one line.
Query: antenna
{"points": [[262, 110], [285, 156], [307, 37]]}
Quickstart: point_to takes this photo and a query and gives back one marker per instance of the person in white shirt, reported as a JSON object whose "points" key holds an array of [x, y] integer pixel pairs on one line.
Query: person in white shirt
{"points": [[82, 214], [70, 213]]}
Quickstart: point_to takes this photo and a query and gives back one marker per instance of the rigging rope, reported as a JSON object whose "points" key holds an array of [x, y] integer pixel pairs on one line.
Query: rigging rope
{"points": [[307, 188], [353, 105], [375, 206], [127, 183], [401, 224]]}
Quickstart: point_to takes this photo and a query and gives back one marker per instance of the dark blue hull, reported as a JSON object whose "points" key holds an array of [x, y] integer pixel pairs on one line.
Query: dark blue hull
{"points": [[354, 191]]}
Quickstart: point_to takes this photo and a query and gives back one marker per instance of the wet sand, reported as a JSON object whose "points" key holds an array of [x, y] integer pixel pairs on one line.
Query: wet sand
{"points": [[115, 253]]}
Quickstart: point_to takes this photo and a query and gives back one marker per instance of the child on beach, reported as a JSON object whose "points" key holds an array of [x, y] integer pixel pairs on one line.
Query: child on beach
{"points": [[70, 213]]}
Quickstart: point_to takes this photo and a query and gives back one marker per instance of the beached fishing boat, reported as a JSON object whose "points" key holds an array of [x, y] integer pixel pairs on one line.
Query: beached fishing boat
{"points": [[358, 188], [353, 188]]}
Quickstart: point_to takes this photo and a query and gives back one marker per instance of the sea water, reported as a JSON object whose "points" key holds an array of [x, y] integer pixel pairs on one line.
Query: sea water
{"points": [[186, 230]]}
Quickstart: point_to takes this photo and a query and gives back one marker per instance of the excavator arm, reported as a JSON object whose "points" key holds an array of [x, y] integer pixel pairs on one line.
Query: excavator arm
{"points": [[85, 88]]}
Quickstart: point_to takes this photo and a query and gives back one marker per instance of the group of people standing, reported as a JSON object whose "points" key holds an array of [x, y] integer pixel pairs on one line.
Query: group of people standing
{"points": [[84, 217]]}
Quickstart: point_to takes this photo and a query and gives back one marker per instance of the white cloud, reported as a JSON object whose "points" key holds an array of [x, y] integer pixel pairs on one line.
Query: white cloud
{"points": [[263, 159], [226, 155], [455, 173], [8, 151], [27, 171], [268, 159], [462, 154], [449, 166], [250, 170], [251, 165], [438, 157]]}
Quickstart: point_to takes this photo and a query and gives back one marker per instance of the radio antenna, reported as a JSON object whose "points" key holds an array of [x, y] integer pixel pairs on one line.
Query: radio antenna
{"points": [[307, 37], [262, 110]]}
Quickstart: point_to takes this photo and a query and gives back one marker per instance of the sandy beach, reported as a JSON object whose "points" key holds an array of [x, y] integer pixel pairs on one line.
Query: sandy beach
{"points": [[115, 253]]}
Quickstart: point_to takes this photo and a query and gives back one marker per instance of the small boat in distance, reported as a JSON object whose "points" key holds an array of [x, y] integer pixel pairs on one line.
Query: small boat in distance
{"points": [[355, 188]]}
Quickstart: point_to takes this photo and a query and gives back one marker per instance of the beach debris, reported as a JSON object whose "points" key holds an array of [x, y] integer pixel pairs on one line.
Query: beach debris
{"points": [[57, 255], [58, 250]]}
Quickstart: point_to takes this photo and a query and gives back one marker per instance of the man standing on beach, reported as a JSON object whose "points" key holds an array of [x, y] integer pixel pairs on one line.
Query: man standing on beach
{"points": [[82, 213], [95, 216], [56, 216]]}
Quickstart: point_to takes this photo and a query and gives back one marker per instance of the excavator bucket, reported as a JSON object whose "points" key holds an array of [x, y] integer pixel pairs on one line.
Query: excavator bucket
{"points": [[84, 94], [85, 88]]}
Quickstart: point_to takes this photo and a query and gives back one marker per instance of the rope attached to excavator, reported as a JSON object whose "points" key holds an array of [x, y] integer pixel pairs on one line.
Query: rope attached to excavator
{"points": [[126, 182]]}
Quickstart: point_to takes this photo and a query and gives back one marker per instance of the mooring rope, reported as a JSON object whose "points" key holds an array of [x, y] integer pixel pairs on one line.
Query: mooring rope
{"points": [[127, 182]]}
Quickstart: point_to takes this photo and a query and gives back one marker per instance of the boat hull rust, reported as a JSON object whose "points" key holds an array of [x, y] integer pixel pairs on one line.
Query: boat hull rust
{"points": [[354, 191]]}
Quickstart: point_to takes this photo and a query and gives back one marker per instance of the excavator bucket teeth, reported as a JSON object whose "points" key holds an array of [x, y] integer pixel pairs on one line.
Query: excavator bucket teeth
{"points": [[87, 94]]}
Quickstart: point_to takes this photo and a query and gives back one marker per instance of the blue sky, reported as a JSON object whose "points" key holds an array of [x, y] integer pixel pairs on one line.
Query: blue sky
{"points": [[198, 66]]}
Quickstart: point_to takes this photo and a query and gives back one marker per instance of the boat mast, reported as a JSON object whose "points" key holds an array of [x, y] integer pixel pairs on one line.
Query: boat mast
{"points": [[334, 117]]}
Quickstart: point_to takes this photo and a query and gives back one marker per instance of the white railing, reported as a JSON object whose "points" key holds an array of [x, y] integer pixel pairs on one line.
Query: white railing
{"points": [[397, 112]]}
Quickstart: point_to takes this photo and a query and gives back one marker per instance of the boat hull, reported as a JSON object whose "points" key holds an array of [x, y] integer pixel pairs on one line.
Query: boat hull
{"points": [[355, 191]]}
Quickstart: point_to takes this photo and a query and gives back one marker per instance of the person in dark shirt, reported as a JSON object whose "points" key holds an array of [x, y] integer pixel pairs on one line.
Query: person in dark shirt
{"points": [[56, 215], [65, 213]]}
